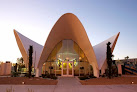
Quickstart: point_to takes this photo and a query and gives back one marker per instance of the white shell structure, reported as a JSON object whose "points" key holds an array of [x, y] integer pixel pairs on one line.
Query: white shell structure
{"points": [[69, 27], [101, 48], [24, 43]]}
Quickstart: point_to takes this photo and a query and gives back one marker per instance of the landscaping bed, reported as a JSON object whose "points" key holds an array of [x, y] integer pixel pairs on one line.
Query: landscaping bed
{"points": [[26, 81], [113, 81]]}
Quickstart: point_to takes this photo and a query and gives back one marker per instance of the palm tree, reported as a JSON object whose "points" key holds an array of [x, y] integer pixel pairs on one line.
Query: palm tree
{"points": [[126, 58]]}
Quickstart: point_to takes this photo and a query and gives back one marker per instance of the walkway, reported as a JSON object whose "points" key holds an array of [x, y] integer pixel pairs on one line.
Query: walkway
{"points": [[68, 81], [70, 85]]}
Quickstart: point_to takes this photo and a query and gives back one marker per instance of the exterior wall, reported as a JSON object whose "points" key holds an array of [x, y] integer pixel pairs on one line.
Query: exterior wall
{"points": [[119, 69], [133, 60], [130, 60], [69, 27], [129, 66], [87, 68], [5, 68], [2, 66]]}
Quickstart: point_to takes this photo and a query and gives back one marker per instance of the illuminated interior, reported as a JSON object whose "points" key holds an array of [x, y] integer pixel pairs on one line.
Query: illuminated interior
{"points": [[67, 51]]}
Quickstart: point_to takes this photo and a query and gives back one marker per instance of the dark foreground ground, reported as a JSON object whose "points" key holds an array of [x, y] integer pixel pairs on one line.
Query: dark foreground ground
{"points": [[27, 81], [114, 81], [95, 81]]}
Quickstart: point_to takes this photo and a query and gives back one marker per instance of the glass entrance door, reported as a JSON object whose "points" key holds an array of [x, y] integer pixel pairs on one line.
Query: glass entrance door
{"points": [[67, 68], [64, 67], [70, 64]]}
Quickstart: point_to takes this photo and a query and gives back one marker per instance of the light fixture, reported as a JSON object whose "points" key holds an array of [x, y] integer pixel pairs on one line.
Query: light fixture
{"points": [[23, 82], [79, 58]]}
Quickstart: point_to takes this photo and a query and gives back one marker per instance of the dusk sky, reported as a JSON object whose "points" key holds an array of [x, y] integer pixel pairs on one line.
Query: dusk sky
{"points": [[100, 18]]}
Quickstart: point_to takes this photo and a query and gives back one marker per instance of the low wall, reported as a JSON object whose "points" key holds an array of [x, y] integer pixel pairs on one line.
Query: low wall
{"points": [[5, 68]]}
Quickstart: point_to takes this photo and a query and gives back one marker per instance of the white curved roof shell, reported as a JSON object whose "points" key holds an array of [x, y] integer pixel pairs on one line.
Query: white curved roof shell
{"points": [[24, 43], [101, 48], [67, 27]]}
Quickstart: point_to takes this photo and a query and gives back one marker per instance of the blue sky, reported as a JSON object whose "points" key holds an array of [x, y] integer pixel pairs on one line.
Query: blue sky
{"points": [[100, 18]]}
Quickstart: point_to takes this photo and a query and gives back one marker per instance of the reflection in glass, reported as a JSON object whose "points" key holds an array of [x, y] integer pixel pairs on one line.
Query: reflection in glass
{"points": [[70, 68], [64, 68]]}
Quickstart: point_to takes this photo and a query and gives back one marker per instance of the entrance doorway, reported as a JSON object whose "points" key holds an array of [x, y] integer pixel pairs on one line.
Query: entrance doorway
{"points": [[67, 68]]}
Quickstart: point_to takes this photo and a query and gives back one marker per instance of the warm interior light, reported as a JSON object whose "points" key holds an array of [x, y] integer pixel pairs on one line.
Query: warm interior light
{"points": [[59, 56], [67, 58], [79, 58]]}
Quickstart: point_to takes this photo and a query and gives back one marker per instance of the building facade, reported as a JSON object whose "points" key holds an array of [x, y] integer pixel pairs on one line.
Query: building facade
{"points": [[128, 65], [67, 50], [5, 68]]}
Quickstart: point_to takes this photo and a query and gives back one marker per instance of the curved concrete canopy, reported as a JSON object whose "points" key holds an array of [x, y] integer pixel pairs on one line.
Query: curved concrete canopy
{"points": [[69, 27], [24, 43], [101, 48]]}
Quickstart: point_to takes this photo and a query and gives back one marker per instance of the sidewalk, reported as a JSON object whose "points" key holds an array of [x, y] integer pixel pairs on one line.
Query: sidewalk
{"points": [[68, 81]]}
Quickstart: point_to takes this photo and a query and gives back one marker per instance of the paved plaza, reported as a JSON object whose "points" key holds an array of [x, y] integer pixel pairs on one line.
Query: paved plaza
{"points": [[66, 84]]}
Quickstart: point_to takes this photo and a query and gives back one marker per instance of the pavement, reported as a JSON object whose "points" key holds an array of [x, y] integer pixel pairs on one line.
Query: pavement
{"points": [[69, 84]]}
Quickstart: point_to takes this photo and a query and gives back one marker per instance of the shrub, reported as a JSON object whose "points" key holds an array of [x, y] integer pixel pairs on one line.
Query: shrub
{"points": [[43, 75], [14, 74], [33, 76], [104, 75], [87, 76], [48, 76], [54, 77], [92, 76], [84, 77], [116, 75], [27, 75], [119, 74]]}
